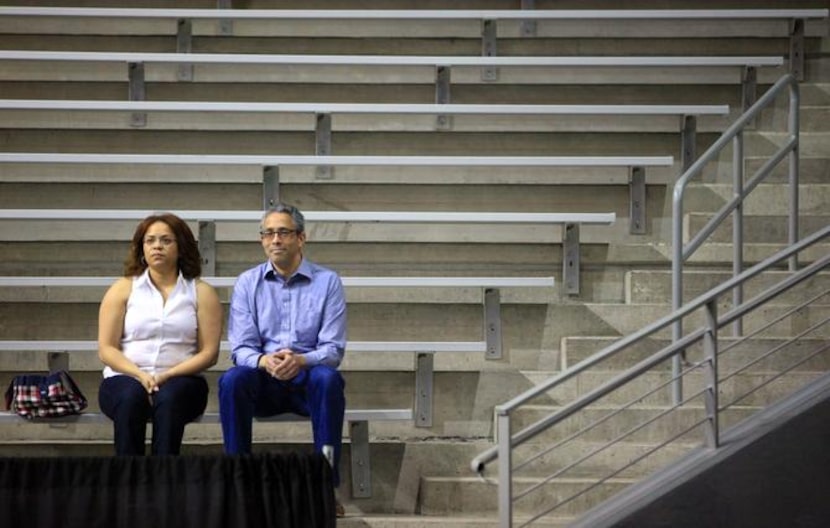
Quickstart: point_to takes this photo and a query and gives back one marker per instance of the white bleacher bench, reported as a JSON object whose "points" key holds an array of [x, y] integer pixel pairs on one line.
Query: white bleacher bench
{"points": [[570, 223], [319, 116], [270, 165], [542, 61], [60, 351], [283, 159], [490, 287], [380, 69], [361, 108], [363, 68], [323, 123], [411, 14], [487, 25]]}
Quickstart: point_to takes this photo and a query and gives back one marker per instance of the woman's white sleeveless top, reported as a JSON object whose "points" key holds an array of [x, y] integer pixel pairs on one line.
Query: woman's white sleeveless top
{"points": [[157, 334]]}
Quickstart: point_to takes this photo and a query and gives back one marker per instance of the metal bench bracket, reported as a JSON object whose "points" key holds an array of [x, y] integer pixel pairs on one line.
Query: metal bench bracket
{"points": [[58, 361], [322, 142], [527, 28], [570, 258], [688, 141], [488, 49], [184, 44], [270, 186], [225, 25], [797, 48], [442, 95], [637, 201], [749, 86], [423, 388], [136, 91], [361, 470], [207, 247], [492, 323]]}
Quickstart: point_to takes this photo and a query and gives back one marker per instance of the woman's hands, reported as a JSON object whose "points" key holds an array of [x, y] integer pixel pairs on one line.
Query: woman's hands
{"points": [[150, 382]]}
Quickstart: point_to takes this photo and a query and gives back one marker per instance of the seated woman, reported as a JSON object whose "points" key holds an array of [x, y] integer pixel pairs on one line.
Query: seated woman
{"points": [[158, 330]]}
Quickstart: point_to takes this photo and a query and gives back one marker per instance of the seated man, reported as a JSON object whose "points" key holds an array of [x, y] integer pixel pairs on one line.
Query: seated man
{"points": [[287, 331]]}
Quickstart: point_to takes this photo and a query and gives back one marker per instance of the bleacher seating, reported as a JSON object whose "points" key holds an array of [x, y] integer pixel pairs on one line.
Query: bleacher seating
{"points": [[411, 138]]}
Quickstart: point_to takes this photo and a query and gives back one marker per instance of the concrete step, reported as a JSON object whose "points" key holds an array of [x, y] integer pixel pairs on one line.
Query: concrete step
{"points": [[231, 122], [733, 356], [748, 387], [757, 228], [654, 286], [815, 101], [631, 422], [600, 197], [447, 495], [603, 270], [428, 521], [722, 253], [348, 143], [247, 179], [356, 294], [196, 434], [525, 327], [627, 319], [812, 118], [264, 73], [765, 199], [378, 93], [810, 170], [811, 144], [815, 94], [458, 321]]}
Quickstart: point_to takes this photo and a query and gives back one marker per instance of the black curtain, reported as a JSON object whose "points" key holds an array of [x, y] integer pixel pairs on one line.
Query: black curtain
{"points": [[263, 490]]}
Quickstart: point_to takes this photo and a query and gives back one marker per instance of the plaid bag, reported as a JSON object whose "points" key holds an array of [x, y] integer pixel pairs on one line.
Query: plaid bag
{"points": [[42, 396]]}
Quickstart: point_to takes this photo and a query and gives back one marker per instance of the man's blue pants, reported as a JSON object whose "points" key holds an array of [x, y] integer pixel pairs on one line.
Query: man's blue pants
{"points": [[318, 392]]}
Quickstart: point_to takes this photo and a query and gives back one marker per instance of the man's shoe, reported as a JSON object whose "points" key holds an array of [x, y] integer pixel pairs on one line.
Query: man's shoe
{"points": [[339, 510]]}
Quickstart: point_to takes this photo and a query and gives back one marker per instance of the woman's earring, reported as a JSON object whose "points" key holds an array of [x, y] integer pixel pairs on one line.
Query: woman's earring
{"points": [[143, 262]]}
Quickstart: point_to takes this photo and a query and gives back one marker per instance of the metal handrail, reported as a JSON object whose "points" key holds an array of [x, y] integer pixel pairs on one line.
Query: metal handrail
{"points": [[734, 134], [507, 441], [505, 409]]}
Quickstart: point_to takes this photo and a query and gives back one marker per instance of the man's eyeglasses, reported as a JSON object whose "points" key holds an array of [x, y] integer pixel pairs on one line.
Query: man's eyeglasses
{"points": [[165, 241], [282, 234]]}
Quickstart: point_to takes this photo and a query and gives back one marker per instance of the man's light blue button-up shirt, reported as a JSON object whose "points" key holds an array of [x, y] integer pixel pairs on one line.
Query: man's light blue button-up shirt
{"points": [[305, 312]]}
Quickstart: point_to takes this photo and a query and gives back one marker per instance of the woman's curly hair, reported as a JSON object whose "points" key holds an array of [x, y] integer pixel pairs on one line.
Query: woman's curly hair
{"points": [[190, 261]]}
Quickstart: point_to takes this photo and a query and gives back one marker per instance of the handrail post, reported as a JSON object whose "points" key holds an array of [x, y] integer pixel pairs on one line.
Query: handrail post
{"points": [[505, 452], [738, 224], [677, 293], [792, 125], [710, 351]]}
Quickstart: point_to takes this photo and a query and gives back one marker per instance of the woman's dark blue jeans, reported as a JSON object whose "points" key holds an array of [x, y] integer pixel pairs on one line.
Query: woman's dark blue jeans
{"points": [[124, 400]]}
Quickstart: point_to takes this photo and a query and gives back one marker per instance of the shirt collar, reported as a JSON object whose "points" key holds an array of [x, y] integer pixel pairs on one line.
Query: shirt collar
{"points": [[305, 269], [144, 281]]}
